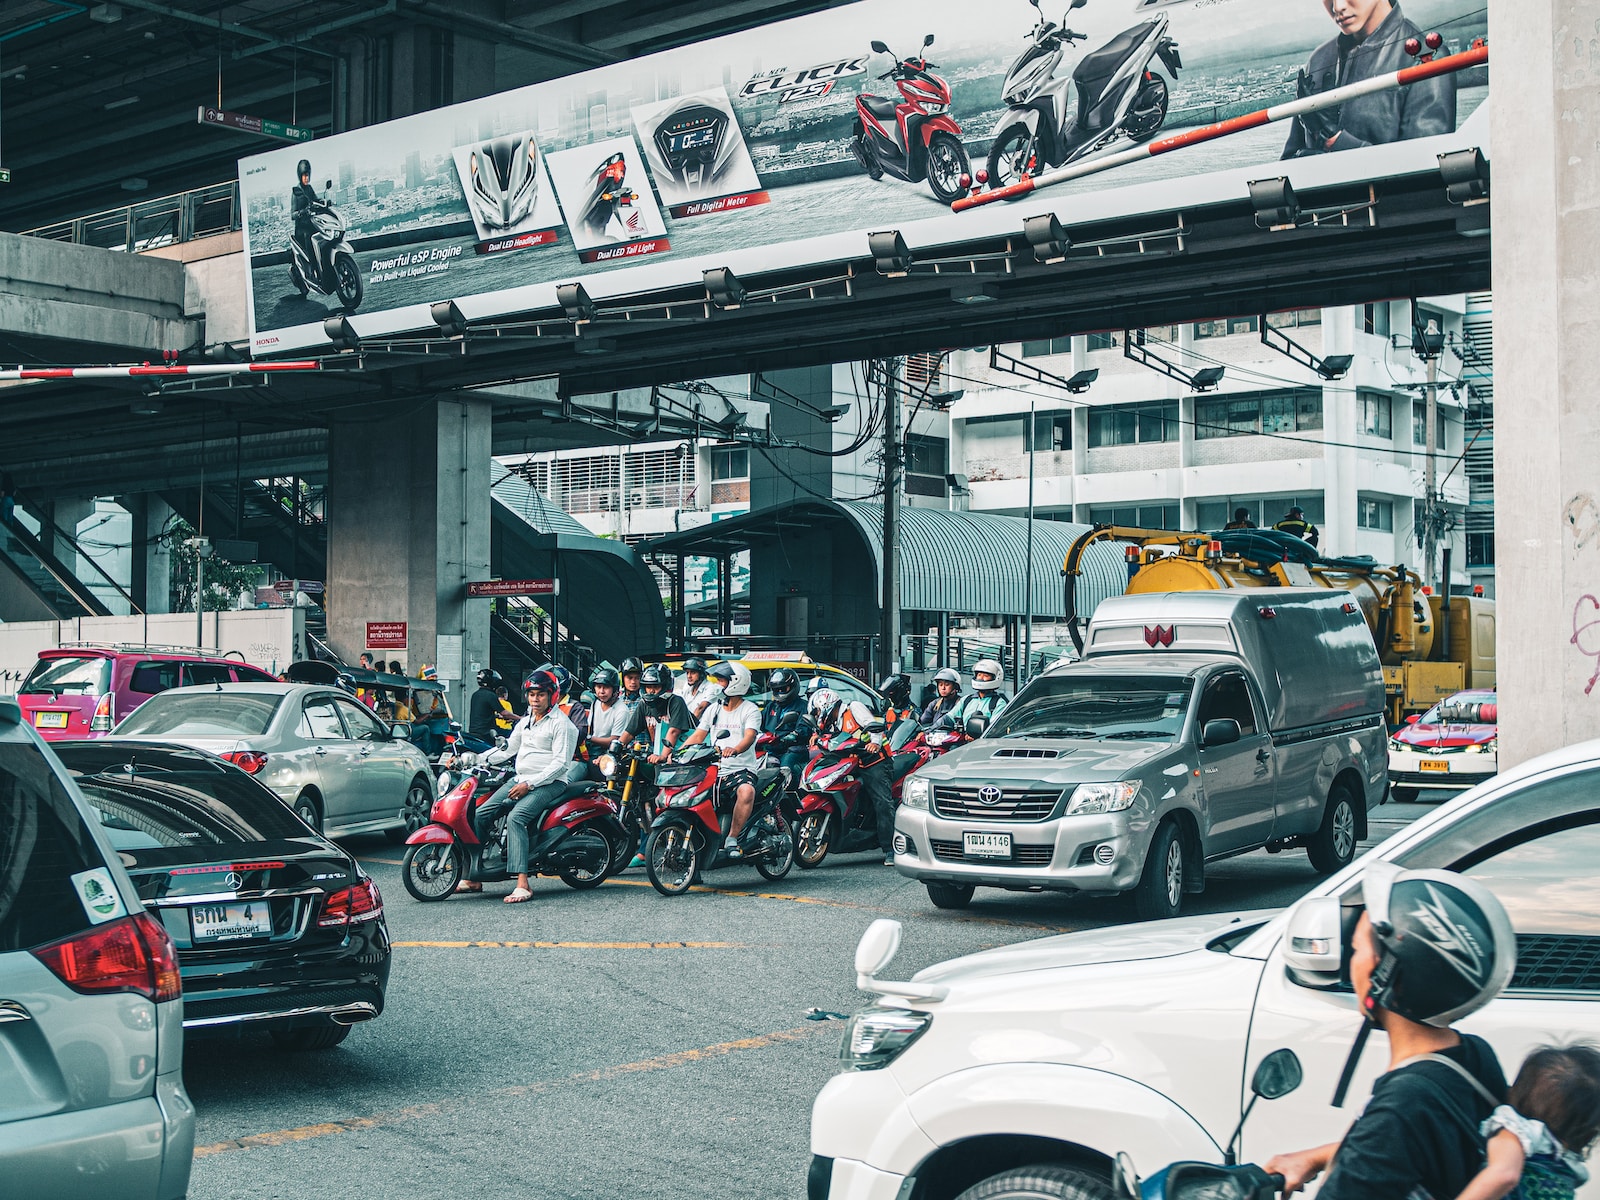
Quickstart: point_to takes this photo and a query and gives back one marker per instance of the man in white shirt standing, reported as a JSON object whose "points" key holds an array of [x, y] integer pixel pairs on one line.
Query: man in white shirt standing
{"points": [[732, 727], [542, 745]]}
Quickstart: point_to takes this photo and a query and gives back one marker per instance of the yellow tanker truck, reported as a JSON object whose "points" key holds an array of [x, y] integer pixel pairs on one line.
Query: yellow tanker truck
{"points": [[1430, 649]]}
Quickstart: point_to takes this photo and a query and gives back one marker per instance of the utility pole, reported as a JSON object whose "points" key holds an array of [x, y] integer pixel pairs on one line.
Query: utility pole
{"points": [[1430, 528], [889, 629], [1027, 579], [201, 548]]}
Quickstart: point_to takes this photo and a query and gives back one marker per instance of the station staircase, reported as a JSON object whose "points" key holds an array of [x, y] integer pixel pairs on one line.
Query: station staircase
{"points": [[51, 582], [284, 518]]}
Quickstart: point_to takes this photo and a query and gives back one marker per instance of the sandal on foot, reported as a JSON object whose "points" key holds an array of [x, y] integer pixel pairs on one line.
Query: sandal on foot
{"points": [[469, 885], [519, 895]]}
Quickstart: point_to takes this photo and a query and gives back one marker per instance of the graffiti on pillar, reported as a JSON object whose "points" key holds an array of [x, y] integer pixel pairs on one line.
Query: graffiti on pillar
{"points": [[1586, 634], [1582, 514]]}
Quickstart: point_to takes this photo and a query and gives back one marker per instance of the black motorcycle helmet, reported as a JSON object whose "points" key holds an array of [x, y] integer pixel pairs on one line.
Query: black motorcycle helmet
{"points": [[604, 677], [489, 678], [696, 665], [897, 688], [630, 666], [783, 683], [302, 169], [656, 675]]}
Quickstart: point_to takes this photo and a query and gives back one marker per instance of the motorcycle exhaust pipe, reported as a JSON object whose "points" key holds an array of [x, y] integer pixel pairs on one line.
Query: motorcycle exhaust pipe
{"points": [[1476, 56]]}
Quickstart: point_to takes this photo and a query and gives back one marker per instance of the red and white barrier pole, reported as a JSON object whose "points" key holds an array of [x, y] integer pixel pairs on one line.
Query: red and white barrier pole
{"points": [[1448, 65], [147, 371]]}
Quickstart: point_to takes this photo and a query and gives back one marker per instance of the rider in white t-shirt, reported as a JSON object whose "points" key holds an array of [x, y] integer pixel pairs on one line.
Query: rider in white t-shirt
{"points": [[740, 722]]}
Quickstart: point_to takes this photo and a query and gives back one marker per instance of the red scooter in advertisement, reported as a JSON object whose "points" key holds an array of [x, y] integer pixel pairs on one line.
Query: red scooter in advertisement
{"points": [[580, 840], [914, 138], [694, 814]]}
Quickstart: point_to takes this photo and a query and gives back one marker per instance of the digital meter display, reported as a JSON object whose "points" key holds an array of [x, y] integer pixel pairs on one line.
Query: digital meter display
{"points": [[691, 139]]}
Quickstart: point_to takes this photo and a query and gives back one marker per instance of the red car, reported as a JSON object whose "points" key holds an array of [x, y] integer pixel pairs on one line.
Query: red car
{"points": [[81, 691], [1447, 749]]}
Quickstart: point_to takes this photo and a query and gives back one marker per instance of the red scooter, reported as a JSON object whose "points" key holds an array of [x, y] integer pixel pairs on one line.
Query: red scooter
{"points": [[580, 840], [695, 814], [916, 138]]}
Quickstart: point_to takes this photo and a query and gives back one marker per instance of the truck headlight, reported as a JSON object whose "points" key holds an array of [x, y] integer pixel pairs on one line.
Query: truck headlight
{"points": [[914, 793], [1090, 798], [876, 1037]]}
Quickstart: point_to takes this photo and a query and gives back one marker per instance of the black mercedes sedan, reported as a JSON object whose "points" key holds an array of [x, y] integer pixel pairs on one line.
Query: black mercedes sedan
{"points": [[277, 928]]}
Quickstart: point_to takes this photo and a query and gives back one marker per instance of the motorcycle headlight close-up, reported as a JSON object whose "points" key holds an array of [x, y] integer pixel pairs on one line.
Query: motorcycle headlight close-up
{"points": [[828, 777], [915, 793], [607, 765], [687, 798], [875, 1037], [1091, 798]]}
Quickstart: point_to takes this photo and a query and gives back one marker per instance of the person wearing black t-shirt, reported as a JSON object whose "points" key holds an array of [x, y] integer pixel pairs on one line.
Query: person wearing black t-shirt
{"points": [[1430, 948], [484, 706]]}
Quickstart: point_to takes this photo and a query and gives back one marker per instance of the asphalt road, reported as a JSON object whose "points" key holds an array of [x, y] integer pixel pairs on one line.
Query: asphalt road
{"points": [[613, 1043]]}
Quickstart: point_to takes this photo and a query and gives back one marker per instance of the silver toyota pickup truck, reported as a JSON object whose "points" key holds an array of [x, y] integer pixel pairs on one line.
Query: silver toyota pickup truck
{"points": [[1197, 726]]}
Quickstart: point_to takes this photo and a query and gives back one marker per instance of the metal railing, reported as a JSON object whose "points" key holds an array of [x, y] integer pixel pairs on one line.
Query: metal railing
{"points": [[149, 224]]}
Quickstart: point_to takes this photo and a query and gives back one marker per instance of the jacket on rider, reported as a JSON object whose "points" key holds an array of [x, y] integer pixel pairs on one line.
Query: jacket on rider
{"points": [[1423, 109], [787, 718], [301, 198], [940, 706]]}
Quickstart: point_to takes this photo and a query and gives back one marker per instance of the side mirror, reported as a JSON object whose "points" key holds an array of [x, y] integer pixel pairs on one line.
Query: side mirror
{"points": [[401, 730], [726, 733], [1222, 732], [1076, 4], [877, 948], [879, 48], [1124, 1176], [927, 41], [976, 727], [328, 186], [1413, 718], [1313, 941], [1277, 1075]]}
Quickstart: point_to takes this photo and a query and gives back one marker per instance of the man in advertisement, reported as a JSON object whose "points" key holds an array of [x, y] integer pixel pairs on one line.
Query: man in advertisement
{"points": [[1371, 41], [301, 199]]}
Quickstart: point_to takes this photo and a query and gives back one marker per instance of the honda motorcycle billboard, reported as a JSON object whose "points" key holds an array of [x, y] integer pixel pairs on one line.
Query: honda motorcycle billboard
{"points": [[785, 145]]}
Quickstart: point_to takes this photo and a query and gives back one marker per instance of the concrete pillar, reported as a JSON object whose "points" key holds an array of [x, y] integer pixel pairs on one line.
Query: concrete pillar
{"points": [[408, 528], [156, 555], [1341, 460], [1547, 344], [68, 515]]}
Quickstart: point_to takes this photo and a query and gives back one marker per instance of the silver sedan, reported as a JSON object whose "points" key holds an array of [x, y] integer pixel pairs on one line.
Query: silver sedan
{"points": [[325, 754]]}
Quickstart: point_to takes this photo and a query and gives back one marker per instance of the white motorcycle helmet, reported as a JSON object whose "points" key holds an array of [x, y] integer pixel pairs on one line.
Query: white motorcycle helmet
{"points": [[821, 702], [987, 666], [739, 685]]}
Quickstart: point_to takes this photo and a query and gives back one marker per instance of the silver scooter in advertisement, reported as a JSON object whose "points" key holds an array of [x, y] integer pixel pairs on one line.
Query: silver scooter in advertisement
{"points": [[334, 272], [1110, 93]]}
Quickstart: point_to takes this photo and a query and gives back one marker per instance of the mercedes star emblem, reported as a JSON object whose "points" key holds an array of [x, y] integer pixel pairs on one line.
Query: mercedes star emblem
{"points": [[234, 880], [988, 794]]}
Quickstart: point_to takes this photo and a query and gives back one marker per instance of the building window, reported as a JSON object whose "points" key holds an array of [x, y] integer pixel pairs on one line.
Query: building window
{"points": [[1480, 549], [1138, 516], [1294, 410], [1227, 327], [1103, 341], [1051, 431], [1419, 425], [927, 455], [1265, 512], [1299, 318], [1126, 424], [730, 463], [1060, 345], [1375, 514], [1373, 414], [1375, 319]]}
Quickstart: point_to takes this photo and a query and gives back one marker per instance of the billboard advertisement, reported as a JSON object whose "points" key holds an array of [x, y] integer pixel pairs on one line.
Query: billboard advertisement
{"points": [[785, 144]]}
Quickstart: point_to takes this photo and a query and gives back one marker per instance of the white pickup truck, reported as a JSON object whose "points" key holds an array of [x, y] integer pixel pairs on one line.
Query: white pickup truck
{"points": [[1066, 1050]]}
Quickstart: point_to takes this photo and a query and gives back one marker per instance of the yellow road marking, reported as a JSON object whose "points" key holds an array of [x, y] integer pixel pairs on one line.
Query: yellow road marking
{"points": [[415, 1112], [577, 945], [962, 920]]}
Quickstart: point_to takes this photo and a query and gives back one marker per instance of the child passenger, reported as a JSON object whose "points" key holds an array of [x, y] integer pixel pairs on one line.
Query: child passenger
{"points": [[1539, 1139]]}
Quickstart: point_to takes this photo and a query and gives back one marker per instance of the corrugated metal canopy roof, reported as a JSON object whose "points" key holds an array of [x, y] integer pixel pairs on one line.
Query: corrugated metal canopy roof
{"points": [[955, 562]]}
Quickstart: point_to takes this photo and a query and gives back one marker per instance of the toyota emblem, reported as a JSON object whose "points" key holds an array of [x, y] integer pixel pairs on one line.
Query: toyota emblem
{"points": [[234, 880], [988, 794]]}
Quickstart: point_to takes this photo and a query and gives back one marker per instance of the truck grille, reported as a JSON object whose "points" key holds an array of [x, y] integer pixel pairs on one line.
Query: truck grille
{"points": [[1013, 804], [1021, 856]]}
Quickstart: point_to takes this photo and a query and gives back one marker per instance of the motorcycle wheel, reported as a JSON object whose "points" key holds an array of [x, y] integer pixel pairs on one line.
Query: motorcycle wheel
{"points": [[431, 871], [813, 838], [671, 860], [869, 164], [947, 163], [298, 279], [1149, 111], [777, 868], [1008, 157], [348, 277], [592, 842]]}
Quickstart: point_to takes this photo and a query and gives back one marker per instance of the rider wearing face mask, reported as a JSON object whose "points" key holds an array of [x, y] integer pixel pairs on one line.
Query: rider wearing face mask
{"points": [[1427, 949], [987, 699], [784, 715]]}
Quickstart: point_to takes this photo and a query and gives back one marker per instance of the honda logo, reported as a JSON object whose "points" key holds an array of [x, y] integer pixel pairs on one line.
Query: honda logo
{"points": [[233, 880], [1158, 636], [988, 794]]}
